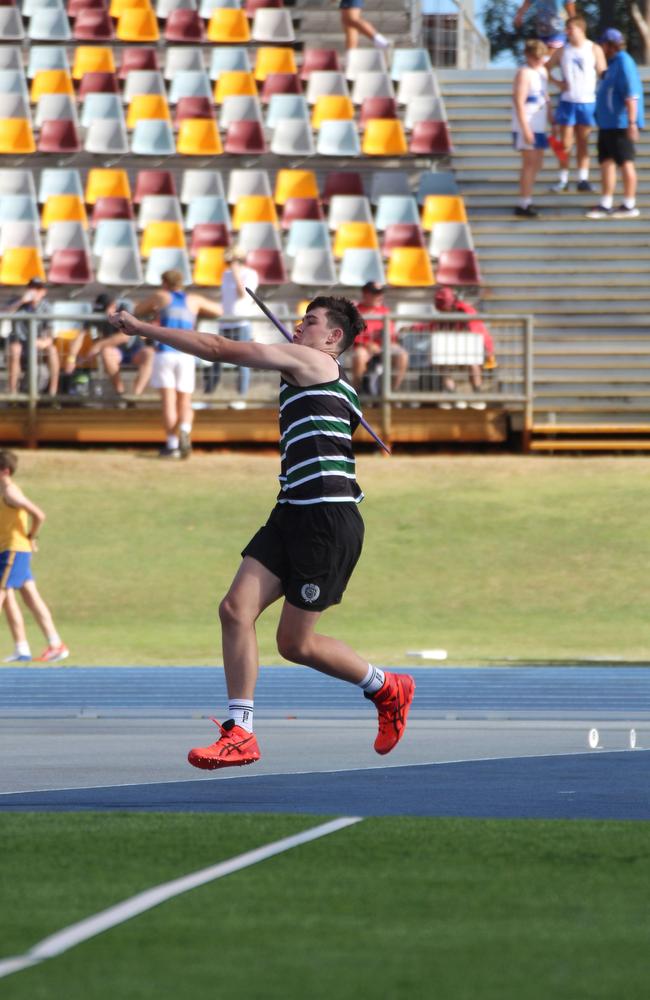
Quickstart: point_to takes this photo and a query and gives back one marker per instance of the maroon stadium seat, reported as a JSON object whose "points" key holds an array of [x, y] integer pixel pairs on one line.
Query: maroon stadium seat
{"points": [[153, 182], [76, 6], [319, 59], [193, 107], [70, 267], [98, 83], [138, 58], [245, 137], [378, 107], [342, 182], [402, 234], [253, 5], [301, 208], [112, 208], [184, 26], [209, 234], [457, 267], [93, 26], [59, 136], [269, 265], [430, 138], [280, 83]]}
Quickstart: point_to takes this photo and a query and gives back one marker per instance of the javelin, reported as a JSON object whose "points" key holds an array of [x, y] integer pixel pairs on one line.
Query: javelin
{"points": [[285, 333]]}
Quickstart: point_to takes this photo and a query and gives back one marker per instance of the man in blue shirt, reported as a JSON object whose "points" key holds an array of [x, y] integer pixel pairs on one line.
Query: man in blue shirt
{"points": [[619, 113]]}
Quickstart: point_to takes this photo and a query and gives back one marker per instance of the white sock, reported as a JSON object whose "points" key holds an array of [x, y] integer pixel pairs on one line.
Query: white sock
{"points": [[583, 174], [54, 639], [607, 201], [373, 680], [22, 649], [564, 176], [185, 427], [629, 202], [525, 202], [380, 42], [172, 442], [241, 710]]}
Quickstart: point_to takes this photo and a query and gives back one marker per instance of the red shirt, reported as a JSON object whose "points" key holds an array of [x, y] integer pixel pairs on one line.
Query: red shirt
{"points": [[374, 330]]}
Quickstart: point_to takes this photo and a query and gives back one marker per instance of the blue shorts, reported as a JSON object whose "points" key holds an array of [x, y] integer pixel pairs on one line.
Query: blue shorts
{"points": [[15, 569], [574, 113], [351, 4], [541, 141], [554, 41]]}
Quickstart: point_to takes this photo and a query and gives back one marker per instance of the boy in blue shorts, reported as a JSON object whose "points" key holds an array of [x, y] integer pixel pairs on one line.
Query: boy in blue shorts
{"points": [[20, 523]]}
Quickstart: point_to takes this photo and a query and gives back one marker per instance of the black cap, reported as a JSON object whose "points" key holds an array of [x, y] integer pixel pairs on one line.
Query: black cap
{"points": [[374, 287], [36, 283], [102, 301]]}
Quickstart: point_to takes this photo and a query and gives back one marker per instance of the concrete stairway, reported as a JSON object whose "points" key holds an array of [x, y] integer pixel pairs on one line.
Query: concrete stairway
{"points": [[584, 280], [319, 24]]}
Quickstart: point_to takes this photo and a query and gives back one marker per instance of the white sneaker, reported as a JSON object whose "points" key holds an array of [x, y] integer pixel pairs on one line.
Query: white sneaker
{"points": [[478, 405], [560, 187], [461, 405], [445, 406], [238, 404], [380, 42], [18, 658]]}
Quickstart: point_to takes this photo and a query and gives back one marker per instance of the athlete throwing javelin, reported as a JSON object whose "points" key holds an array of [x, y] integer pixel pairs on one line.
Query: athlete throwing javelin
{"points": [[308, 548]]}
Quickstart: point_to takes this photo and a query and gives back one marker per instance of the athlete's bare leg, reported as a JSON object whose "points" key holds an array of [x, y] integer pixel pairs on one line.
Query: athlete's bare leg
{"points": [[38, 608], [298, 642], [15, 619], [169, 410]]}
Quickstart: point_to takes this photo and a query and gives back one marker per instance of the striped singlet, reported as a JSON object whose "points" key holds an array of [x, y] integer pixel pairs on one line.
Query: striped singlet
{"points": [[316, 456]]}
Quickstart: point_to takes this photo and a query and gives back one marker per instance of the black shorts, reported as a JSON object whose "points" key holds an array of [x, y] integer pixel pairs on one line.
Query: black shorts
{"points": [[615, 144], [313, 549]]}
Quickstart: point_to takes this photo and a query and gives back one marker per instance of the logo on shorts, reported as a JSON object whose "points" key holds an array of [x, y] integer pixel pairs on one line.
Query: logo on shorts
{"points": [[310, 593]]}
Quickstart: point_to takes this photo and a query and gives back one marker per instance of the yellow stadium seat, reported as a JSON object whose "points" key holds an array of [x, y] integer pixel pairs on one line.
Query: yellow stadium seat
{"points": [[442, 208], [16, 136], [234, 82], [409, 267], [51, 81], [228, 25], [63, 208], [118, 7], [105, 183], [147, 106], [360, 235], [92, 59], [198, 137], [137, 25], [301, 308], [209, 266], [161, 234], [274, 60], [254, 208], [384, 137], [295, 184], [329, 107], [19, 265]]}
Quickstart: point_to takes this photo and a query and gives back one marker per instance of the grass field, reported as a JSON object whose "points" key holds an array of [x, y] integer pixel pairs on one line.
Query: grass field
{"points": [[488, 557], [390, 908]]}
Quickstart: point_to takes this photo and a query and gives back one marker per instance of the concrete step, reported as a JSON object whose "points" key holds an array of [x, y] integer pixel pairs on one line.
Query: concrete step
{"points": [[572, 254], [559, 227], [515, 301], [495, 269]]}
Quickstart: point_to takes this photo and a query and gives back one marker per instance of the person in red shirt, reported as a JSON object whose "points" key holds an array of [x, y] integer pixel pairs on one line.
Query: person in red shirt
{"points": [[368, 344]]}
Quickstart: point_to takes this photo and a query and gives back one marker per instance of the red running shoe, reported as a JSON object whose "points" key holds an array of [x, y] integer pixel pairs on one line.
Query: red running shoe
{"points": [[393, 701], [235, 746]]}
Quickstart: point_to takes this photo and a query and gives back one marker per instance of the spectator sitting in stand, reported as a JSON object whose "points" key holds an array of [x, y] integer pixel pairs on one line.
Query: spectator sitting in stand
{"points": [[117, 348], [33, 300], [446, 301], [368, 345]]}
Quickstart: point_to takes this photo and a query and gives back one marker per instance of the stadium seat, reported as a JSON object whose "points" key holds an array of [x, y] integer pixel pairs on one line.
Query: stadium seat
{"points": [[137, 24], [245, 138], [282, 106], [98, 83], [371, 85], [150, 182], [292, 137], [11, 57], [65, 236], [233, 82], [153, 137], [297, 209], [209, 266], [40, 57], [198, 183], [161, 234], [229, 26], [231, 59], [338, 138], [184, 26], [209, 234], [254, 208], [436, 183], [377, 107], [117, 7], [193, 107], [166, 7], [384, 137], [182, 60], [17, 181], [189, 83], [313, 267], [423, 109], [280, 83], [11, 25], [16, 136], [331, 107], [107, 183], [142, 81], [251, 6], [295, 184], [307, 234], [114, 233], [409, 61], [269, 265], [63, 208], [101, 106], [360, 266], [430, 139], [240, 109], [199, 137], [364, 61], [392, 208], [29, 7], [274, 60], [272, 25], [348, 208], [59, 180], [106, 136], [341, 182], [442, 208], [19, 265], [112, 208], [325, 82], [17, 105], [18, 208], [49, 24], [458, 267], [450, 236], [167, 259], [244, 183], [409, 267], [147, 106], [50, 107], [20, 234], [402, 235], [74, 7], [138, 58], [120, 266], [355, 234], [416, 84], [320, 60], [93, 26], [258, 236], [51, 81], [59, 136], [207, 208], [12, 81], [207, 6], [159, 208], [92, 59]]}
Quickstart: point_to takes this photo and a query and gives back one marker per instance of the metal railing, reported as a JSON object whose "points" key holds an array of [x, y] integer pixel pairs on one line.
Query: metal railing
{"points": [[450, 34]]}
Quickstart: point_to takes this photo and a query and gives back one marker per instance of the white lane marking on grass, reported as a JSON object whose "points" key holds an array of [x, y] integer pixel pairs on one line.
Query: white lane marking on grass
{"points": [[67, 938]]}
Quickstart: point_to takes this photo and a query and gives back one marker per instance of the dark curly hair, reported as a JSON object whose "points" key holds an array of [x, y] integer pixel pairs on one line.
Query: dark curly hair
{"points": [[342, 313]]}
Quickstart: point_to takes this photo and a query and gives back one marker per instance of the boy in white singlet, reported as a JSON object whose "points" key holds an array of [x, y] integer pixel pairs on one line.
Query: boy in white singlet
{"points": [[530, 121], [580, 63]]}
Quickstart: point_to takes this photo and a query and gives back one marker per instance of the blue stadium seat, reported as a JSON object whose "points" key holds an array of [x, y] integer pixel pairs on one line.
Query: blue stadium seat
{"points": [[46, 57], [189, 83], [230, 58], [392, 209], [49, 24], [59, 180], [360, 266], [307, 234], [96, 106], [286, 106], [409, 61], [208, 208], [164, 259], [338, 138], [153, 137], [18, 208], [114, 233]]}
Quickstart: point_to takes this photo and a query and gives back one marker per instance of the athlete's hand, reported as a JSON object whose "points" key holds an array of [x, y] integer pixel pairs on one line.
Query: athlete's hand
{"points": [[34, 545], [125, 322]]}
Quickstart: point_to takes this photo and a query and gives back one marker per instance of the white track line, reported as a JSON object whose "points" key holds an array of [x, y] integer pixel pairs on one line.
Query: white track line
{"points": [[67, 938]]}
